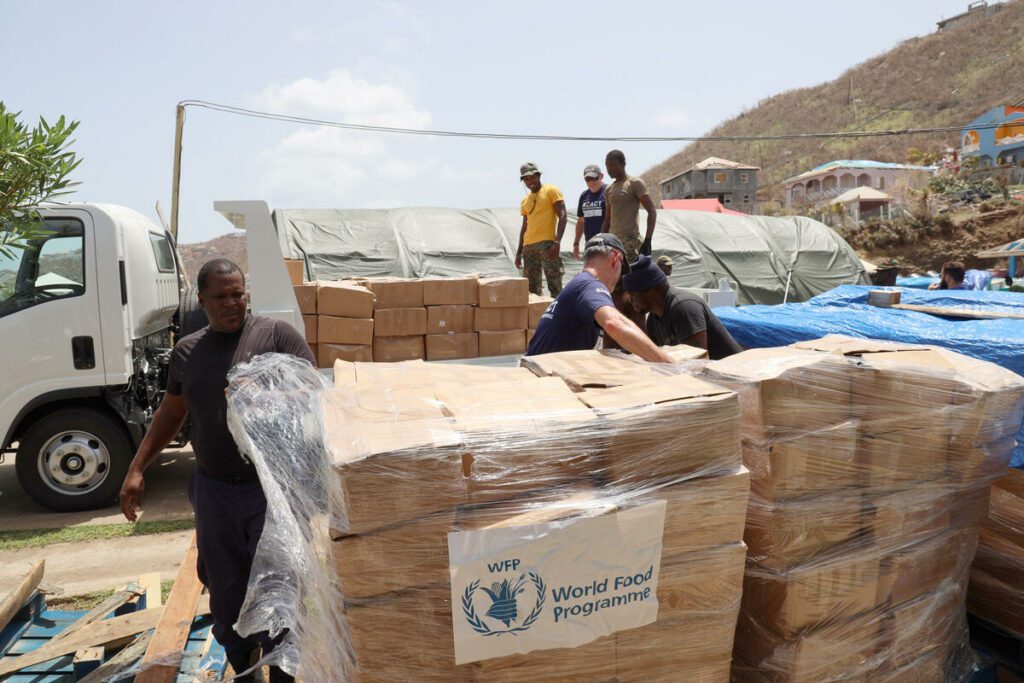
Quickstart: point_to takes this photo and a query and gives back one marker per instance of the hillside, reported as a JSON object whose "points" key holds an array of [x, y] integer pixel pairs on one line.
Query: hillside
{"points": [[230, 246], [943, 79]]}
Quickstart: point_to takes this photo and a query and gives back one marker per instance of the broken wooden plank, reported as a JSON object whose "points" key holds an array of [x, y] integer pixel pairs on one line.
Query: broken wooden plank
{"points": [[121, 661], [87, 660], [160, 665], [16, 597], [101, 610], [950, 312], [151, 582], [96, 633]]}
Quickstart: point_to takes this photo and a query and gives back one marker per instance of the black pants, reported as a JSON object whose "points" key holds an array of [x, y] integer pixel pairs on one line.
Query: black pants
{"points": [[229, 521]]}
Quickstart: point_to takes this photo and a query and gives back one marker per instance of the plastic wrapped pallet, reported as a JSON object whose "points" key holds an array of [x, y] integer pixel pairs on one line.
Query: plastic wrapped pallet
{"points": [[870, 469], [996, 593], [485, 524]]}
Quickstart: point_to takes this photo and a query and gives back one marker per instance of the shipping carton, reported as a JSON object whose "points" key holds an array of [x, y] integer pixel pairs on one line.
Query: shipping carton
{"points": [[334, 330], [510, 343], [344, 299], [924, 567], [450, 291], [400, 322], [538, 304], [396, 293], [791, 533], [500, 319], [329, 354], [310, 327], [703, 512], [296, 270], [450, 319], [697, 647], [931, 623], [593, 662], [707, 580], [589, 368], [344, 372], [306, 296], [529, 337], [500, 292], [452, 346], [391, 349]]}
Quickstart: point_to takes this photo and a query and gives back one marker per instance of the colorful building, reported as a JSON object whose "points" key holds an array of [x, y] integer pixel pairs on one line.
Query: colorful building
{"points": [[819, 186], [731, 183], [996, 138]]}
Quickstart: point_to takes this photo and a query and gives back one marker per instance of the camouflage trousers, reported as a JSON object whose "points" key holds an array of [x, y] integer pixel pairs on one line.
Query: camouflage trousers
{"points": [[536, 260], [632, 243]]}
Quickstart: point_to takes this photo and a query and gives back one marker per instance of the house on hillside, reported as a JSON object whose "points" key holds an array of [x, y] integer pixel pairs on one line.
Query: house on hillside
{"points": [[819, 186], [996, 138], [975, 10], [733, 184]]}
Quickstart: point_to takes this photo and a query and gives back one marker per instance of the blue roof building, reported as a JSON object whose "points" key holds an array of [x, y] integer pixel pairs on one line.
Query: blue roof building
{"points": [[1000, 144]]}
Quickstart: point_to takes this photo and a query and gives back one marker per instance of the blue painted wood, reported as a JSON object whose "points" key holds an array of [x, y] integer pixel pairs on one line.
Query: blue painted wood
{"points": [[21, 621]]}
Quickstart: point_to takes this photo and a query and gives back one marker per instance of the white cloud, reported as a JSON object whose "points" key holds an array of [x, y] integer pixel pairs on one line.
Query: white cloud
{"points": [[673, 117]]}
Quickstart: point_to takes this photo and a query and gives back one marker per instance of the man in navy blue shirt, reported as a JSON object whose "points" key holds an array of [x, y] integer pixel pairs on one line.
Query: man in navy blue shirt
{"points": [[590, 210], [584, 308]]}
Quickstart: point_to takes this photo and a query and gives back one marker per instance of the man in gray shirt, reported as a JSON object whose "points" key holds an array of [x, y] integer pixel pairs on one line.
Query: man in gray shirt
{"points": [[675, 316]]}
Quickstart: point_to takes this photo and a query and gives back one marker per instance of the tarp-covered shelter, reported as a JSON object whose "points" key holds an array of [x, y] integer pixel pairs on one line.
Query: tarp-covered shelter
{"points": [[765, 257]]}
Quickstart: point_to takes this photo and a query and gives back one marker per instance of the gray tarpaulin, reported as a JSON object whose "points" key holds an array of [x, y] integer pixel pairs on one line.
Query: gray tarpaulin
{"points": [[758, 253]]}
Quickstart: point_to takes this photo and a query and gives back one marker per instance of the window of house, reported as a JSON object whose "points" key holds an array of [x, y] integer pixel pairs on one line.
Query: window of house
{"points": [[728, 199], [718, 178], [746, 199], [881, 184], [744, 178]]}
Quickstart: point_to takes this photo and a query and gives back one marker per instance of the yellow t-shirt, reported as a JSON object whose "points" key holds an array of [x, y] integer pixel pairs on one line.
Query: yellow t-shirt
{"points": [[539, 209]]}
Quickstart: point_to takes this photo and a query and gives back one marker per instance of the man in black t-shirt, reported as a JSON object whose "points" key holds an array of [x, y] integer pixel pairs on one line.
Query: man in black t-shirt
{"points": [[225, 492], [675, 316]]}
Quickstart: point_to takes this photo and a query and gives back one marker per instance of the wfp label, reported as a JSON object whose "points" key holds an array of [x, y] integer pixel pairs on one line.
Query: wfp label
{"points": [[557, 584]]}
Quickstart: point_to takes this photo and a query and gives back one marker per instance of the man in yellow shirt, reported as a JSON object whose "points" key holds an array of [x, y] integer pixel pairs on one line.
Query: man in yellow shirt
{"points": [[544, 220]]}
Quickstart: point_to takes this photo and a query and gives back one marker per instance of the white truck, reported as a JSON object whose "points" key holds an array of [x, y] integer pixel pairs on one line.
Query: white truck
{"points": [[88, 316]]}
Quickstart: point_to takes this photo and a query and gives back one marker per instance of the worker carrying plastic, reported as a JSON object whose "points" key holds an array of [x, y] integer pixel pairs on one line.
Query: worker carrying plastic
{"points": [[675, 316], [575, 319]]}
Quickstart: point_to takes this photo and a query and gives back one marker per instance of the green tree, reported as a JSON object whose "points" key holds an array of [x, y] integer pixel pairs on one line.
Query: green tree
{"points": [[35, 166]]}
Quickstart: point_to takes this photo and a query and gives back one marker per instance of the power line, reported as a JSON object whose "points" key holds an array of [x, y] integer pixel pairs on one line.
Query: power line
{"points": [[252, 113]]}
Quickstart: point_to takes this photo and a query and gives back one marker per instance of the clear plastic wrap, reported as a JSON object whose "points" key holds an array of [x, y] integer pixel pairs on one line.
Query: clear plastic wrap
{"points": [[381, 487], [870, 468], [996, 591]]}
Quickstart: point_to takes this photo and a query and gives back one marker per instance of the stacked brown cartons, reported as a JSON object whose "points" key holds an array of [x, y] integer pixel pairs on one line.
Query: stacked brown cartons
{"points": [[502, 315], [400, 319], [424, 455], [296, 270], [451, 306], [305, 296], [537, 306], [869, 463], [996, 591], [344, 322]]}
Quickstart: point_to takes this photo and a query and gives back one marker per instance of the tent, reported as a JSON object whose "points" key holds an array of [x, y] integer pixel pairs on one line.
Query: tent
{"points": [[768, 260]]}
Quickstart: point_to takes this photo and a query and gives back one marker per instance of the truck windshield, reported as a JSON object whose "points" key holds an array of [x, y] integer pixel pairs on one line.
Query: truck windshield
{"points": [[47, 268]]}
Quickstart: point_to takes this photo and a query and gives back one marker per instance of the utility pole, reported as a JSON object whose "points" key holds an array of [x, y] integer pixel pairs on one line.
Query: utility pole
{"points": [[179, 126]]}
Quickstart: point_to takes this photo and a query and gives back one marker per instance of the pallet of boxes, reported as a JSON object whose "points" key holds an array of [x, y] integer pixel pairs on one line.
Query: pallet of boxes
{"points": [[500, 526], [870, 467]]}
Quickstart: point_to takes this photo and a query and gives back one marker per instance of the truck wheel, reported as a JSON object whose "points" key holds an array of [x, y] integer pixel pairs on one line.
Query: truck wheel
{"points": [[74, 459], [191, 316]]}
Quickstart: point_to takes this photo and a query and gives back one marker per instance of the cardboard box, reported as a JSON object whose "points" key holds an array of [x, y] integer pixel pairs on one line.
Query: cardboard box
{"points": [[500, 292], [391, 349], [400, 322], [895, 452], [703, 512], [306, 296], [510, 343], [788, 534], [1006, 507], [329, 354], [934, 622], [316, 354], [905, 516], [786, 602], [396, 293], [450, 319], [344, 372], [450, 291], [354, 331], [537, 306], [589, 369], [981, 463], [594, 661], [452, 346], [922, 568], [344, 300], [309, 322], [500, 319], [883, 297], [529, 337], [296, 270], [694, 648], [997, 601], [667, 430], [708, 580]]}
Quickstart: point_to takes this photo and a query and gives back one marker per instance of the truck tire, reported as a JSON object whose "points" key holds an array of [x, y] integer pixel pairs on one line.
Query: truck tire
{"points": [[191, 316], [74, 459]]}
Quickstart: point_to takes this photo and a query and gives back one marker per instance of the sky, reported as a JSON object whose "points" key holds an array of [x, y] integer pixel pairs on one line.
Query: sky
{"points": [[672, 68]]}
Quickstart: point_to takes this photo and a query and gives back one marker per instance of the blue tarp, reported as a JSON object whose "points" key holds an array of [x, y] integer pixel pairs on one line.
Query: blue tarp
{"points": [[844, 310]]}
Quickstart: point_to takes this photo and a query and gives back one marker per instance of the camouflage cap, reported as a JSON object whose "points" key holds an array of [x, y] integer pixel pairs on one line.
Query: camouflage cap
{"points": [[591, 171], [664, 260], [528, 168]]}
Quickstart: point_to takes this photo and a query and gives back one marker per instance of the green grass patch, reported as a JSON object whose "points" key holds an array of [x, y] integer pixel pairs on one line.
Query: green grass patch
{"points": [[35, 538], [87, 601]]}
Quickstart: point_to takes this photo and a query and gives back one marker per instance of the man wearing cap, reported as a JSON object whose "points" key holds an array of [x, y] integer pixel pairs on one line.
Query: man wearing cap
{"points": [[544, 219], [665, 263], [675, 316], [590, 210], [576, 317], [623, 200]]}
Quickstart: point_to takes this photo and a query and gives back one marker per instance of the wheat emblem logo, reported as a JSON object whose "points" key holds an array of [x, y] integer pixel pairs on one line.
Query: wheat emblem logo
{"points": [[504, 606]]}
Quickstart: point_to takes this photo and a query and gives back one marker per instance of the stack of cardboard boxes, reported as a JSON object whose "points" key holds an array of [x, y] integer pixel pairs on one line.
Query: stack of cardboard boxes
{"points": [[344, 322], [870, 465], [996, 592], [451, 314], [537, 306], [425, 451]]}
